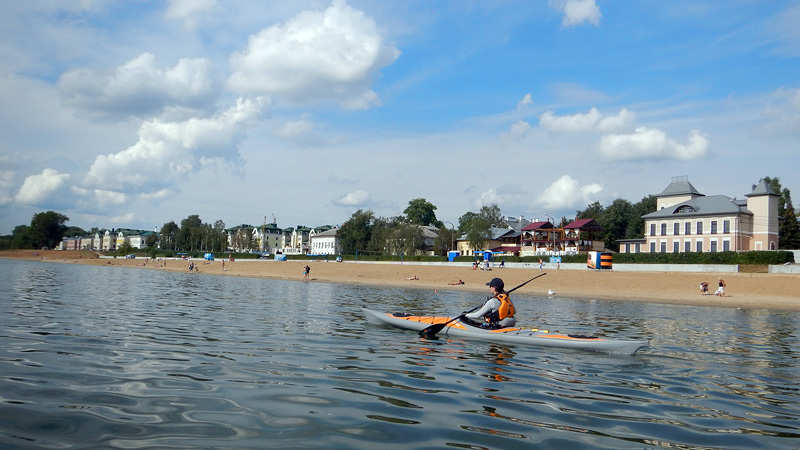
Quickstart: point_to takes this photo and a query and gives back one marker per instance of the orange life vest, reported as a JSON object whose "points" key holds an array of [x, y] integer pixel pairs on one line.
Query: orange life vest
{"points": [[506, 307]]}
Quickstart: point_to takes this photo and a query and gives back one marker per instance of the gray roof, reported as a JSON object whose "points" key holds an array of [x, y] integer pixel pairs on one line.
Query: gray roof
{"points": [[701, 206], [761, 189], [680, 187]]}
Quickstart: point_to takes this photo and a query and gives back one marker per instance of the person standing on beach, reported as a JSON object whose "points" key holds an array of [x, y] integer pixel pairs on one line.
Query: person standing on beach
{"points": [[721, 288], [306, 271]]}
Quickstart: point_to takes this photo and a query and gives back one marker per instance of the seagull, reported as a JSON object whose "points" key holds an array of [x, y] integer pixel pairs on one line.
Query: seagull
{"points": [[550, 292]]}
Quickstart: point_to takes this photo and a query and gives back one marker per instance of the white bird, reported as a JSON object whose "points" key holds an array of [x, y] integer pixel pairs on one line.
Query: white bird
{"points": [[550, 292]]}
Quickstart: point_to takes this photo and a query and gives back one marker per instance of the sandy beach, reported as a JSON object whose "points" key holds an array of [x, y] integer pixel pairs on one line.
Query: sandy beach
{"points": [[744, 290]]}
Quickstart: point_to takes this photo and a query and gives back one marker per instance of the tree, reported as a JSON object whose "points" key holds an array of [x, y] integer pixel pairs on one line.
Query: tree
{"points": [[168, 238], [47, 229], [356, 233], [189, 235], [421, 212], [220, 240], [21, 237], [477, 227], [789, 227]]}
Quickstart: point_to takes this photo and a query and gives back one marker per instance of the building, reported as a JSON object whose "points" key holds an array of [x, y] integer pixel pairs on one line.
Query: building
{"points": [[325, 242], [688, 221]]}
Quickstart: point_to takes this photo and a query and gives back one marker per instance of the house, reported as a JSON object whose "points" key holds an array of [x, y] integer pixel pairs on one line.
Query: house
{"points": [[688, 221], [539, 238], [325, 242], [583, 235], [501, 240]]}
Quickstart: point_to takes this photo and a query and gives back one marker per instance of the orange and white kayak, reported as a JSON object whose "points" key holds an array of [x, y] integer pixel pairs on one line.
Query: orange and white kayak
{"points": [[542, 338]]}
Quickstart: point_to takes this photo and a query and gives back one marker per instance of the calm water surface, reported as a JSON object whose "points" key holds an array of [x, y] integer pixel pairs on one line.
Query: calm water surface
{"points": [[108, 357]]}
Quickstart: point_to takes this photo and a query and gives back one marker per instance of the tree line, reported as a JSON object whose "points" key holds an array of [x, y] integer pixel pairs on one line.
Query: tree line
{"points": [[367, 233]]}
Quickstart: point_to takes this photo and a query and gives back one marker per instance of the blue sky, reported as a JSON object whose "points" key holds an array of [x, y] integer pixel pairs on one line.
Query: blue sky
{"points": [[133, 114]]}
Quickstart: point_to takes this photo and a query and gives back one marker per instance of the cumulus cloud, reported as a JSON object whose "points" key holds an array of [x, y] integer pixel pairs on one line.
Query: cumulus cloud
{"points": [[168, 151], [591, 122], [330, 55], [140, 88], [355, 198], [576, 12], [566, 192], [651, 143], [525, 102], [46, 189]]}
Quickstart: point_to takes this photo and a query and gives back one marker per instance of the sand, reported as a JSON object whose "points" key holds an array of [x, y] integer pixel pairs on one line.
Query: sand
{"points": [[744, 290]]}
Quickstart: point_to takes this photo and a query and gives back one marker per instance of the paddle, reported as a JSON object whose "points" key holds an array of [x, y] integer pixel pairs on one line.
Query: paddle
{"points": [[431, 331]]}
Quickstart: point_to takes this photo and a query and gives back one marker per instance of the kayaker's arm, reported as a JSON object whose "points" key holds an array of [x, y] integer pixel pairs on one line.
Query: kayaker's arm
{"points": [[487, 308]]}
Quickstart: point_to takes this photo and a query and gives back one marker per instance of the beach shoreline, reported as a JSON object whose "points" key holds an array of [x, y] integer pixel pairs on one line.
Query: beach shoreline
{"points": [[744, 290]]}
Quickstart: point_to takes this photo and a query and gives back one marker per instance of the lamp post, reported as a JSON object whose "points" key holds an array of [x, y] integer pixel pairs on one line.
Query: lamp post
{"points": [[452, 234], [553, 221]]}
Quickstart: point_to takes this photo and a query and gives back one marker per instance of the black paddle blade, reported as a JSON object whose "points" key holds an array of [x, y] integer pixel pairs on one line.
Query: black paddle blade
{"points": [[432, 330]]}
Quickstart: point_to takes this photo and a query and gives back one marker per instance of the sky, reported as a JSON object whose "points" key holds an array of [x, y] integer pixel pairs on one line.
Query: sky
{"points": [[132, 114]]}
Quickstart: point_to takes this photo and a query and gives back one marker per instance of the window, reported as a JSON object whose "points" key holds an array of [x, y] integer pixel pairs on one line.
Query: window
{"points": [[699, 227], [663, 247], [652, 246], [713, 227], [726, 226], [726, 246], [687, 228], [663, 229], [676, 247], [676, 229], [652, 229], [687, 246], [627, 248], [699, 246], [714, 246]]}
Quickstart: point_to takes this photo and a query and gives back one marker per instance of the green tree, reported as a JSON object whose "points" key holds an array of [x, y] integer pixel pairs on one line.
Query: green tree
{"points": [[74, 232], [421, 212], [789, 228], [220, 240], [168, 237], [635, 227], [47, 229], [356, 233], [190, 233], [21, 237]]}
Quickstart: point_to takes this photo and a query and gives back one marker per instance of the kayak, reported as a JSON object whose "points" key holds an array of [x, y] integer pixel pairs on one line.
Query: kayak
{"points": [[542, 338]]}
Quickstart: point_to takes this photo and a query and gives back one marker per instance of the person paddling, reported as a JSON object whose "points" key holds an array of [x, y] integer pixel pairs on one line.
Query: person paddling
{"points": [[498, 311]]}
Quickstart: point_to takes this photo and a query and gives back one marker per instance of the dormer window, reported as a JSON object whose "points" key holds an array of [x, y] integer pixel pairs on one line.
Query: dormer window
{"points": [[685, 209]]}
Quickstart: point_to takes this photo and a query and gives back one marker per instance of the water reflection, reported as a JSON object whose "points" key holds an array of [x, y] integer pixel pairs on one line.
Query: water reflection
{"points": [[103, 357]]}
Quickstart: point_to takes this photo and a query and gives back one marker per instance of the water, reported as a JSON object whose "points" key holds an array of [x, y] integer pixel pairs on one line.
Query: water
{"points": [[108, 357]]}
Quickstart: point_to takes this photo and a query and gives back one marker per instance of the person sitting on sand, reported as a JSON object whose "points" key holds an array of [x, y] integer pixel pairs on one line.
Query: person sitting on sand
{"points": [[704, 288]]}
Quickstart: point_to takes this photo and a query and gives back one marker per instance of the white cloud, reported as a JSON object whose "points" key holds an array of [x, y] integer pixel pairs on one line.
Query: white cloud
{"points": [[519, 130], [189, 11], [45, 189], [566, 192], [783, 113], [329, 55], [6, 185], [526, 101], [590, 122], [577, 12], [139, 88], [356, 198], [168, 151], [651, 143]]}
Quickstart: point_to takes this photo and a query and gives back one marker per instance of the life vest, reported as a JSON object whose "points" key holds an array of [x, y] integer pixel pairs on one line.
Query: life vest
{"points": [[506, 309]]}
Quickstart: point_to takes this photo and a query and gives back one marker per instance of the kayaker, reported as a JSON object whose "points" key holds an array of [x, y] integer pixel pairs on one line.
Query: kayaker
{"points": [[498, 311]]}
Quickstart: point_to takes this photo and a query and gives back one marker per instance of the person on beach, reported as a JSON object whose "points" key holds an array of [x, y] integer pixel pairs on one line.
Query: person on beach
{"points": [[412, 278], [721, 288], [456, 283], [498, 311], [306, 272], [704, 288]]}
